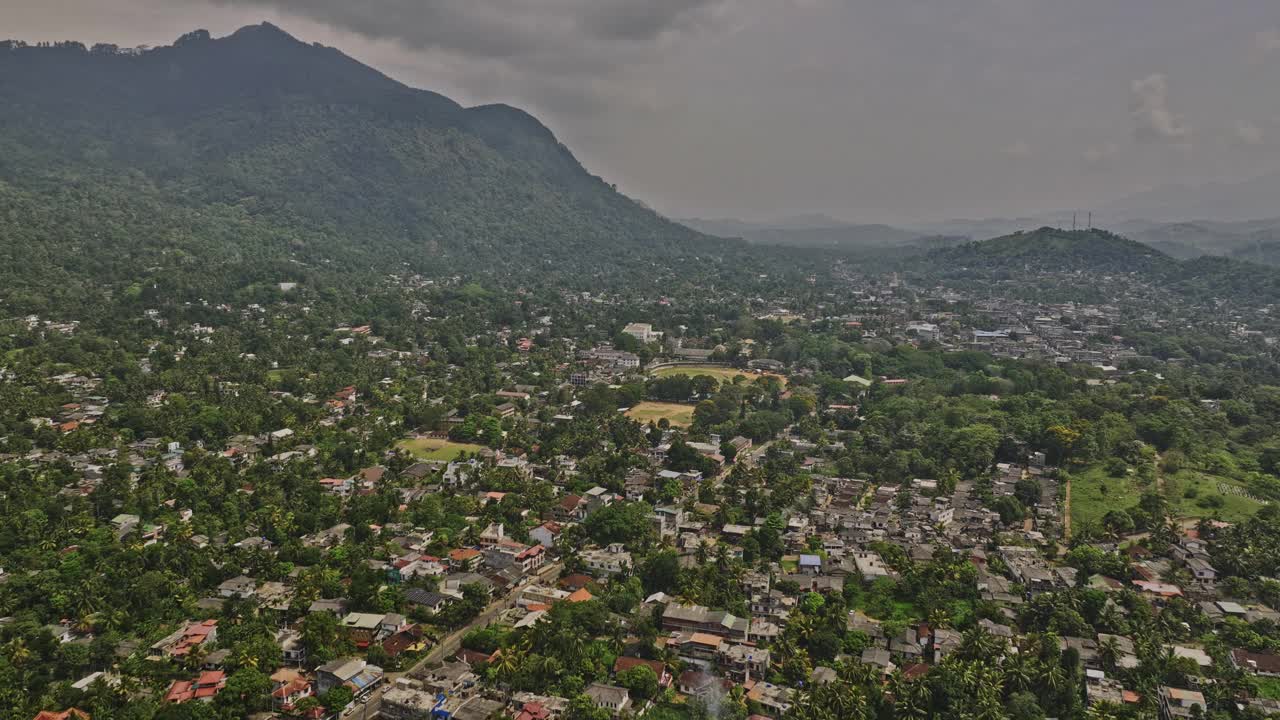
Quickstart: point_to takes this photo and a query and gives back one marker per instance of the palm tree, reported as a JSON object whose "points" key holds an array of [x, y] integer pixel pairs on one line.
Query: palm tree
{"points": [[1055, 678], [1102, 711], [18, 652], [802, 626], [196, 657], [506, 663], [1019, 673], [977, 644], [939, 618], [113, 619], [85, 624], [1109, 653]]}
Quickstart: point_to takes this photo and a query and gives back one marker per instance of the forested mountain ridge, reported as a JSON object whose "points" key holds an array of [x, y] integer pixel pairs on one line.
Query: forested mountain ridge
{"points": [[258, 148]]}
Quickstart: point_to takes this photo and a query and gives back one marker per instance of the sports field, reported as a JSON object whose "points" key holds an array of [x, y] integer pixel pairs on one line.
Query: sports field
{"points": [[675, 413], [722, 374]]}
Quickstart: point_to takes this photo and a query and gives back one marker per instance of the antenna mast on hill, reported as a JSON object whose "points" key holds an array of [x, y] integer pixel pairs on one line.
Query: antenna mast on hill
{"points": [[1090, 219], [1073, 222]]}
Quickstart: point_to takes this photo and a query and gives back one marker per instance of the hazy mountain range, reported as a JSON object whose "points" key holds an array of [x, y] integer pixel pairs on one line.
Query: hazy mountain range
{"points": [[1252, 240]]}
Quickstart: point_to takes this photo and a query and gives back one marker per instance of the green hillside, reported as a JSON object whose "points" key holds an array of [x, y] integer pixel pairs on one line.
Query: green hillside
{"points": [[1057, 250], [259, 152]]}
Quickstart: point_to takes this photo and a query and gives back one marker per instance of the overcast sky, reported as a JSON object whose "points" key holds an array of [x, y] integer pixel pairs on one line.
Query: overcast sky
{"points": [[869, 110]]}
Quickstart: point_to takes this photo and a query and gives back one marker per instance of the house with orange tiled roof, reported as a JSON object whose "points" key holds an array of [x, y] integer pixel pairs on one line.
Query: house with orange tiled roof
{"points": [[181, 642], [68, 714], [546, 534], [579, 595], [464, 559], [625, 663], [204, 688], [290, 686]]}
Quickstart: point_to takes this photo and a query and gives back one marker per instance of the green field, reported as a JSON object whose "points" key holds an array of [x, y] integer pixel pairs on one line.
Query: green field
{"points": [[1234, 507], [675, 413], [1268, 687], [668, 712], [721, 374], [436, 449], [1094, 493]]}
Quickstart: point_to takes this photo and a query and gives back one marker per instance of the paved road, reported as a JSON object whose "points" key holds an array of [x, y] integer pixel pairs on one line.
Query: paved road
{"points": [[756, 454]]}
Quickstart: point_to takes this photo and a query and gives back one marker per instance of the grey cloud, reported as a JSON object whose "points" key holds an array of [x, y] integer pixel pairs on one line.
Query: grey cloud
{"points": [[647, 20], [1018, 149], [1248, 134], [1155, 121], [1265, 42], [579, 37], [872, 110]]}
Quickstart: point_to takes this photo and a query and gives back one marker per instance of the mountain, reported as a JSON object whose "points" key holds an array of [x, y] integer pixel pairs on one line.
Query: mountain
{"points": [[1253, 240], [1203, 279], [811, 231], [823, 232], [259, 153], [1220, 201], [986, 228], [1051, 249]]}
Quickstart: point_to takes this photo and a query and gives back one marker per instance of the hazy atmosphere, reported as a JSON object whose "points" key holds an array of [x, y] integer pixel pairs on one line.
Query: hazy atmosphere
{"points": [[867, 110], [639, 360]]}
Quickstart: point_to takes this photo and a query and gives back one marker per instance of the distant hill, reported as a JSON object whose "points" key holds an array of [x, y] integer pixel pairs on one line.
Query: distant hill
{"points": [[1201, 279], [1233, 201], [986, 228], [817, 231], [1051, 249], [257, 152], [1253, 240]]}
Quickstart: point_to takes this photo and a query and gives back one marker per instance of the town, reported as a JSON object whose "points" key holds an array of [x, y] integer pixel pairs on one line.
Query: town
{"points": [[660, 522]]}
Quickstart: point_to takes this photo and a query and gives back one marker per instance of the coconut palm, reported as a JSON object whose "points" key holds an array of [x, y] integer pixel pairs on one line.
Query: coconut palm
{"points": [[1019, 672], [1109, 653], [18, 652]]}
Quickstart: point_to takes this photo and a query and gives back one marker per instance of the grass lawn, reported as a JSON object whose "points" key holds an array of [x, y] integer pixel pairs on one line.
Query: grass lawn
{"points": [[668, 712], [435, 449], [1094, 493], [675, 413], [721, 374], [1235, 508], [1267, 687]]}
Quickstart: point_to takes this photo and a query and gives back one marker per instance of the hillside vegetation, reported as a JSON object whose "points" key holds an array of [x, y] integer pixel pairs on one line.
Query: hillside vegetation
{"points": [[258, 149]]}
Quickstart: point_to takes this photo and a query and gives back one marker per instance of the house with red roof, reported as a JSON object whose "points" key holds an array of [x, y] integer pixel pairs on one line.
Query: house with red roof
{"points": [[547, 534], [625, 663], [571, 508], [290, 687], [464, 559], [68, 714], [531, 558], [181, 642], [204, 688], [534, 711]]}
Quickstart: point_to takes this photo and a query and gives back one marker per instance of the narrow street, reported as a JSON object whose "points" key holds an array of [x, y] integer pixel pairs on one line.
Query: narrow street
{"points": [[448, 645]]}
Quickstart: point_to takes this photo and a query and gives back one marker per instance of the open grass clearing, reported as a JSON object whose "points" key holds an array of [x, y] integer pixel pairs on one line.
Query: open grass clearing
{"points": [[426, 448], [1205, 491], [1094, 493]]}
